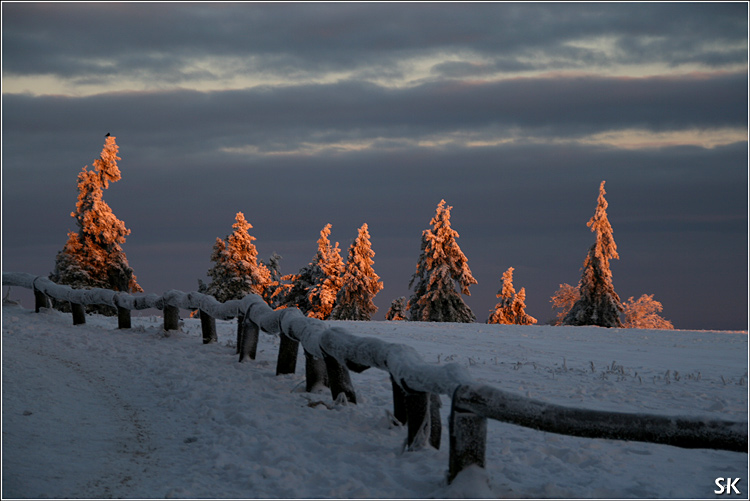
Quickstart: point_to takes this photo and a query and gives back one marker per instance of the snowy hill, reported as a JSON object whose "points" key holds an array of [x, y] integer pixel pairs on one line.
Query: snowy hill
{"points": [[92, 411]]}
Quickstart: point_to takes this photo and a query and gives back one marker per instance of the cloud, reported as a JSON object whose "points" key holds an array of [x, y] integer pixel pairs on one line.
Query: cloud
{"points": [[304, 114], [152, 44], [356, 115]]}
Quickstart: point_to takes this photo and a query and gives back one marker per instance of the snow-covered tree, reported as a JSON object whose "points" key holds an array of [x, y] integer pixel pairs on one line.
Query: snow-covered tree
{"points": [[397, 311], [511, 307], [598, 303], [503, 312], [313, 289], [520, 317], [565, 297], [360, 283], [644, 314], [93, 256], [440, 268], [279, 284], [236, 271], [322, 295]]}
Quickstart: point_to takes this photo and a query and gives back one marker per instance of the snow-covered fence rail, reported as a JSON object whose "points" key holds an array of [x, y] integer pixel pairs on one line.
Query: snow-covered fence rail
{"points": [[331, 352]]}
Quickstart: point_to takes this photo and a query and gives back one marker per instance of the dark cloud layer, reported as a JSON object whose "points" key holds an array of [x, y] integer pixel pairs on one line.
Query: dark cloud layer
{"points": [[271, 119], [295, 39], [507, 154]]}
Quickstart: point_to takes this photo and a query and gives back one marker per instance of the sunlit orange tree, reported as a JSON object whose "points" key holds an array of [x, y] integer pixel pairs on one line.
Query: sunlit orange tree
{"points": [[93, 256]]}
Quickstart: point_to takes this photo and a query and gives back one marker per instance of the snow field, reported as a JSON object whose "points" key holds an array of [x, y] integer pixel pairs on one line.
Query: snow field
{"points": [[141, 414]]}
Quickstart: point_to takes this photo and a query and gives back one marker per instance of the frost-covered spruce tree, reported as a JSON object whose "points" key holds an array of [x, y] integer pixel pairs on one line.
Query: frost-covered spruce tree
{"points": [[520, 317], [511, 307], [598, 303], [397, 311], [440, 268], [236, 271], [360, 284], [313, 289], [93, 256], [279, 284], [328, 270], [503, 312]]}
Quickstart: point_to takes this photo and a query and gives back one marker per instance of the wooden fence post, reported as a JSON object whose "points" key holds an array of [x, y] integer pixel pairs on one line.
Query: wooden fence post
{"points": [[468, 439], [208, 328], [248, 339], [123, 318], [240, 321], [436, 428], [40, 300], [171, 318], [423, 420], [288, 349], [79, 313], [399, 402], [316, 374], [339, 379]]}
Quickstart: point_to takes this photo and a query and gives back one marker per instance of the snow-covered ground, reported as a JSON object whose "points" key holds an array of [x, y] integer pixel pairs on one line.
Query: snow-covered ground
{"points": [[92, 411]]}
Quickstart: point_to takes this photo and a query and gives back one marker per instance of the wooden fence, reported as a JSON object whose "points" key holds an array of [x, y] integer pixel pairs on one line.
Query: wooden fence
{"points": [[331, 352]]}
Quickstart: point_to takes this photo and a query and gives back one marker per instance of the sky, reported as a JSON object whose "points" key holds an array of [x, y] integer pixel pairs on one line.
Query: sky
{"points": [[303, 114]]}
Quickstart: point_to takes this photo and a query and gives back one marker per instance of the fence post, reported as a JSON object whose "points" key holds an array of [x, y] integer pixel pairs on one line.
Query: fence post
{"points": [[208, 328], [287, 361], [339, 379], [240, 321], [316, 374], [123, 318], [399, 402], [40, 300], [248, 339], [423, 420], [79, 313], [171, 318], [468, 439]]}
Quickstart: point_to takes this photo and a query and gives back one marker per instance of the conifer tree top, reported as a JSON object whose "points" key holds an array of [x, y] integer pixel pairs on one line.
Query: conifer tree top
{"points": [[106, 164], [599, 223]]}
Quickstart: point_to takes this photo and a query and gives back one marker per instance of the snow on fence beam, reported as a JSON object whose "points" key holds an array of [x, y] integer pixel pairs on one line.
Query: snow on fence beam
{"points": [[19, 279], [685, 432]]}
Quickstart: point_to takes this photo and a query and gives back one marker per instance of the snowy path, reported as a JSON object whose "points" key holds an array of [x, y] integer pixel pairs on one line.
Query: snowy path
{"points": [[93, 411], [60, 412]]}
